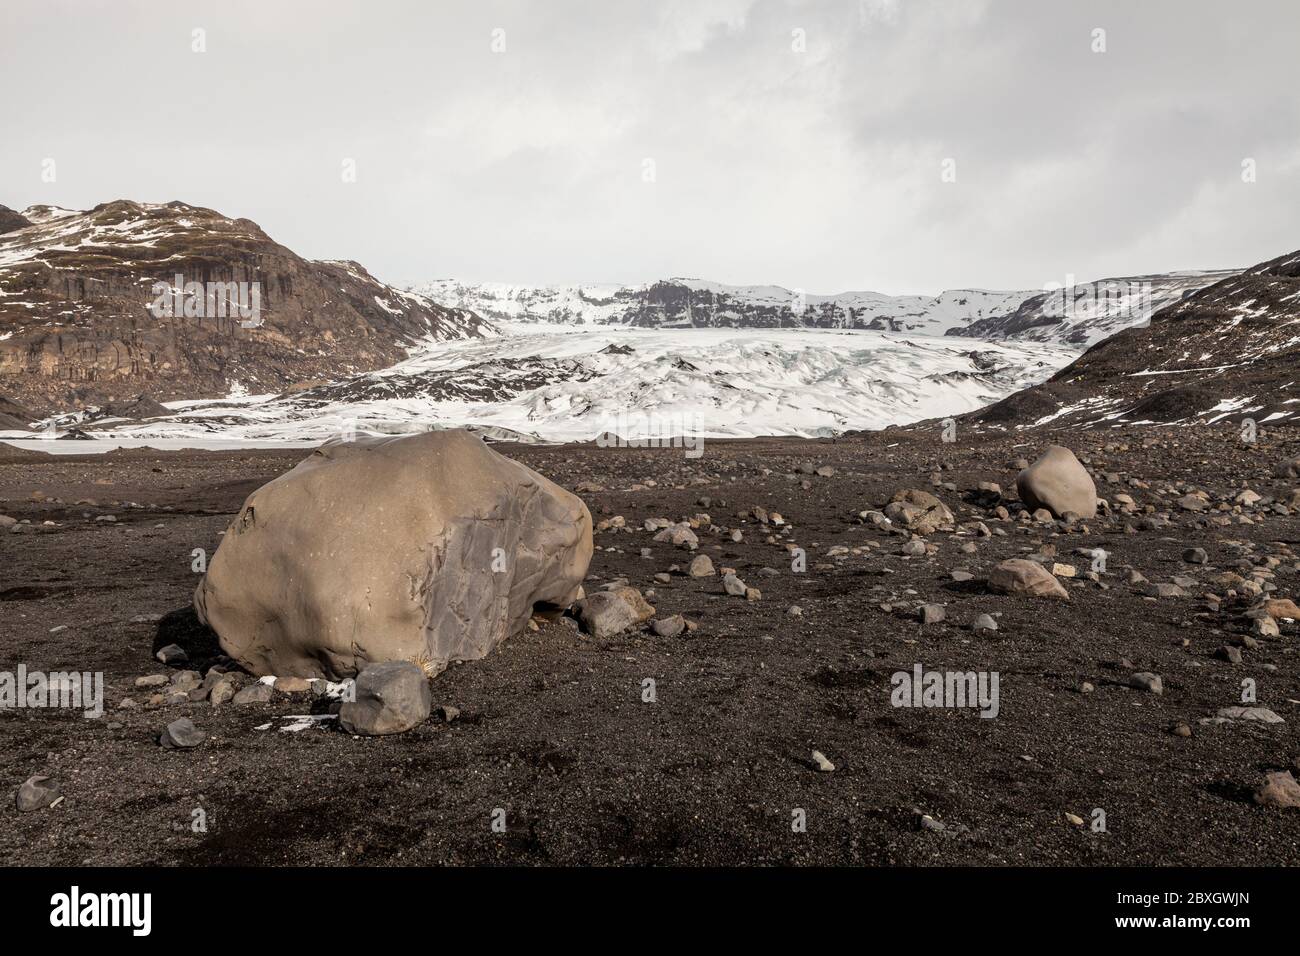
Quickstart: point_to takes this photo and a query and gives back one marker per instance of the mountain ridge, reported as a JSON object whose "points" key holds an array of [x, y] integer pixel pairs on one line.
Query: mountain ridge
{"points": [[1228, 351], [1025, 315], [80, 322]]}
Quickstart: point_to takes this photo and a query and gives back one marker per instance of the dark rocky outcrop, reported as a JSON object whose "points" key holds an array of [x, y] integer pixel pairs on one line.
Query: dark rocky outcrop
{"points": [[1224, 353], [77, 327]]}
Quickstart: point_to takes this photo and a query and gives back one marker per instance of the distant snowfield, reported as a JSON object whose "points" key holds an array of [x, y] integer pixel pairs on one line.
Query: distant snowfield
{"points": [[99, 445], [557, 383]]}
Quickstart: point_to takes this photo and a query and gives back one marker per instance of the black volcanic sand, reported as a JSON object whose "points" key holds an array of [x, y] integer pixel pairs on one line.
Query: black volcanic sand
{"points": [[554, 731]]}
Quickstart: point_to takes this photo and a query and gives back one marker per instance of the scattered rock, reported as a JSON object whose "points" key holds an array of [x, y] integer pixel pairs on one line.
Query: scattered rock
{"points": [[1229, 653], [932, 613], [173, 655], [607, 613], [1058, 483], [1265, 627], [1145, 680], [1166, 590], [669, 626], [37, 792], [1279, 789], [258, 693], [391, 698], [222, 691], [823, 765], [920, 512], [1282, 609], [1261, 714], [701, 567], [1018, 576], [181, 734]]}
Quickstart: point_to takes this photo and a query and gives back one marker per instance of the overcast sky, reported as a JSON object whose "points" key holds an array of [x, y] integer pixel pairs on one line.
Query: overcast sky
{"points": [[746, 141]]}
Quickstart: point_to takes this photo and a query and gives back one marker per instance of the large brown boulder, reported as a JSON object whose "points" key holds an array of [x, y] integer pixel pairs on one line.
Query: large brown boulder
{"points": [[1059, 483], [426, 548]]}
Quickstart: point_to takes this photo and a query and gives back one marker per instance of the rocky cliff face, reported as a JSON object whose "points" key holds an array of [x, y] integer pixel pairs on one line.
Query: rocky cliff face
{"points": [[1228, 351], [81, 321], [10, 220]]}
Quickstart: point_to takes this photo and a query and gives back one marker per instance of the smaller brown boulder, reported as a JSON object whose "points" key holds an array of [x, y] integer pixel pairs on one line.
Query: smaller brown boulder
{"points": [[1279, 789], [1059, 483], [391, 698], [1018, 576], [920, 512], [606, 613]]}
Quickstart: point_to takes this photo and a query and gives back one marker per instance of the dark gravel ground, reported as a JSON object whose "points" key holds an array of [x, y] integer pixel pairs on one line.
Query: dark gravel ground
{"points": [[554, 730]]}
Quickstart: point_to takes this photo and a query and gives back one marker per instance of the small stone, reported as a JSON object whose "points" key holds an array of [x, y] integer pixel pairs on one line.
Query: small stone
{"points": [[1261, 714], [1282, 608], [701, 567], [607, 613], [222, 691], [1195, 556], [1265, 627], [173, 655], [446, 713], [1166, 591], [181, 734], [1181, 729], [258, 693], [1279, 789], [1074, 819], [292, 685], [391, 698], [1229, 653], [1145, 680], [37, 792], [669, 626], [150, 680], [823, 765], [932, 613], [985, 622], [733, 585]]}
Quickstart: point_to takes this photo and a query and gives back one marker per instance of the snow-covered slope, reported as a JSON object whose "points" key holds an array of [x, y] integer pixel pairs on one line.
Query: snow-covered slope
{"points": [[1226, 352], [563, 384], [1087, 313]]}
